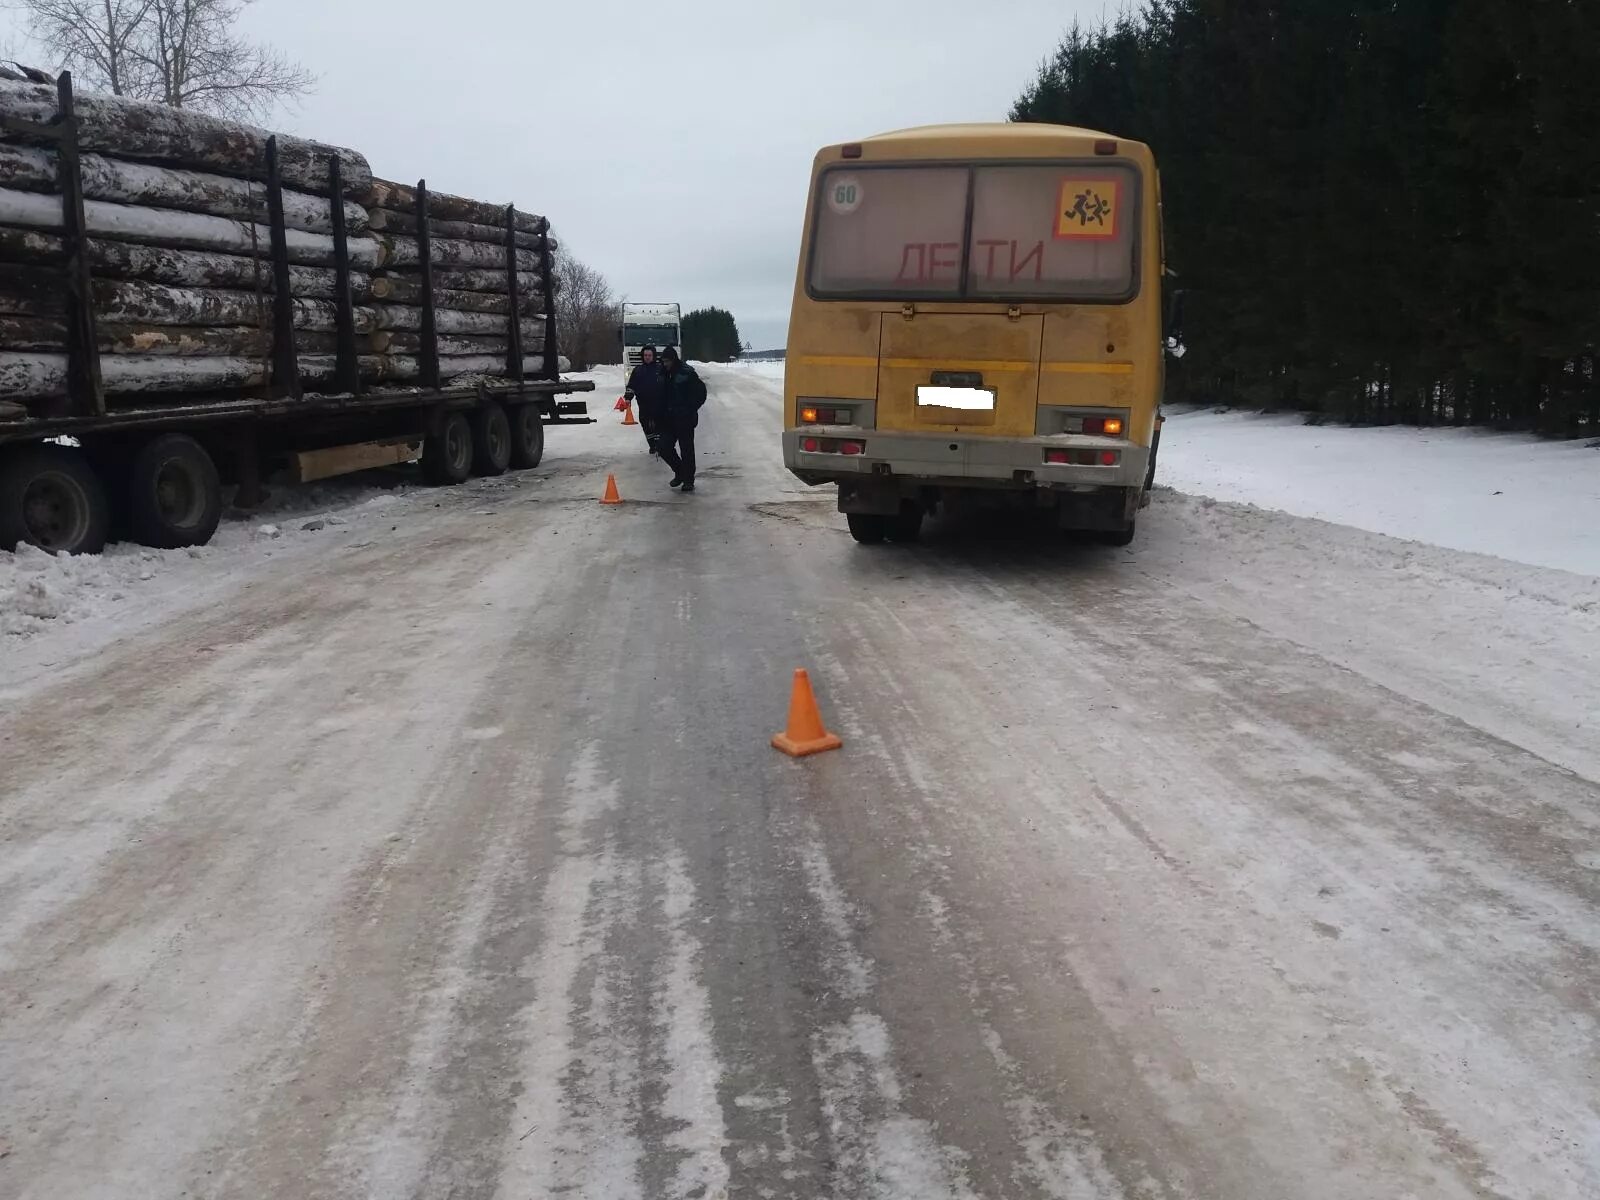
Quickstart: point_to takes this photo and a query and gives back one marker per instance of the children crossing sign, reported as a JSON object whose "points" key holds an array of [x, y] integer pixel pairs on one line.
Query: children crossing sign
{"points": [[1086, 210]]}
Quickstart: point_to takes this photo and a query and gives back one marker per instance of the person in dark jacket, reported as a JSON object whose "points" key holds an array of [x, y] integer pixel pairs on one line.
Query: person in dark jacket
{"points": [[644, 385], [682, 395]]}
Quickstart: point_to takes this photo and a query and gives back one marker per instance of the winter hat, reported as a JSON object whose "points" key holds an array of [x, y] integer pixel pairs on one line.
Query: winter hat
{"points": [[672, 353]]}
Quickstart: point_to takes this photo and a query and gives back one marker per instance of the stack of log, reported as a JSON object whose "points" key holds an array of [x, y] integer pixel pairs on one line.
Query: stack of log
{"points": [[179, 249], [472, 292]]}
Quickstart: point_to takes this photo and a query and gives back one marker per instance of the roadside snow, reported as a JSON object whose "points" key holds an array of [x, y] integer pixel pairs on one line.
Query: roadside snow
{"points": [[766, 370], [40, 592], [1511, 649], [1515, 496]]}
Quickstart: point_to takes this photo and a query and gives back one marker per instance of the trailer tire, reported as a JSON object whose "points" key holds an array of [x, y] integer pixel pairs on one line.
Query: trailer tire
{"points": [[527, 437], [447, 454], [174, 495], [491, 440], [51, 498], [869, 529]]}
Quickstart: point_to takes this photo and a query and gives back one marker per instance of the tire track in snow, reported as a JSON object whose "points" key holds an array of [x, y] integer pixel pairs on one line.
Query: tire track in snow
{"points": [[1055, 1158], [621, 1070], [693, 1067], [572, 1129], [879, 1151], [1059, 1162], [389, 1149]]}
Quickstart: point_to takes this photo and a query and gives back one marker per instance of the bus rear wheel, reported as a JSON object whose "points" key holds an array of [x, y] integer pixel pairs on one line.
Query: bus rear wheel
{"points": [[1117, 537], [868, 528], [906, 526]]}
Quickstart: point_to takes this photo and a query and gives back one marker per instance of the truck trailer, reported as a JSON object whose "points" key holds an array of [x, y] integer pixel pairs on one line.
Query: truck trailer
{"points": [[133, 389]]}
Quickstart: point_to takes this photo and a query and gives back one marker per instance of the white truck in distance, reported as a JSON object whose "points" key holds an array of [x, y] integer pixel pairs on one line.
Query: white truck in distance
{"points": [[647, 325]]}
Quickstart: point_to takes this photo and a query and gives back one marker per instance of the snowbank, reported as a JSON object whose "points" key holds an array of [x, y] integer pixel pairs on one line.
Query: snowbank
{"points": [[40, 592], [767, 370], [1511, 495], [1510, 649]]}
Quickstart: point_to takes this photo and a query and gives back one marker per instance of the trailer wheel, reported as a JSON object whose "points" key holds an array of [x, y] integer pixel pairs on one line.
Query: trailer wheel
{"points": [[527, 436], [447, 454], [174, 495], [51, 498], [491, 440], [868, 528]]}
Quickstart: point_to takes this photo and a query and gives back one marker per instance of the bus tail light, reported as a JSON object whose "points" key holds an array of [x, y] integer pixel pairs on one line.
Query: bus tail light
{"points": [[813, 445], [816, 414], [1106, 426], [1083, 458]]}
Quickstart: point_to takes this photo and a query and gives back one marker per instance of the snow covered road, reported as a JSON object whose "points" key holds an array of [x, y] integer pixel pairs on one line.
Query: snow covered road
{"points": [[441, 854]]}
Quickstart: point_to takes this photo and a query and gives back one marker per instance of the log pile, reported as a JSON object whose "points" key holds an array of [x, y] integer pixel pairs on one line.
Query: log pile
{"points": [[178, 243]]}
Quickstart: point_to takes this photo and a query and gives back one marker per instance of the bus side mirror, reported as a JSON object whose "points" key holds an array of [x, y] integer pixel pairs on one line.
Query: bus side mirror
{"points": [[1174, 334], [619, 337]]}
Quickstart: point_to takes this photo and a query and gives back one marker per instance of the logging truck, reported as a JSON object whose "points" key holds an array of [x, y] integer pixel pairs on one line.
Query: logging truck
{"points": [[200, 305], [647, 325]]}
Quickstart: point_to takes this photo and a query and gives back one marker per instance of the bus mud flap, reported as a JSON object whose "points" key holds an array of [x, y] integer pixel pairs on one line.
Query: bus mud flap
{"points": [[880, 496]]}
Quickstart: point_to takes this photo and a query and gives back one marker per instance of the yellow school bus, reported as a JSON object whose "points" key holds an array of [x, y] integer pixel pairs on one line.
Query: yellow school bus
{"points": [[977, 321]]}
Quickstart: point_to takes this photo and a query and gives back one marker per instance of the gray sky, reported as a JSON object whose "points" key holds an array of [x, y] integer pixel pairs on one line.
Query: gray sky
{"points": [[670, 144]]}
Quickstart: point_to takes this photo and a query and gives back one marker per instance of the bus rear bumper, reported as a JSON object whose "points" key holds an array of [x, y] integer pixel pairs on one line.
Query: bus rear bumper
{"points": [[915, 461]]}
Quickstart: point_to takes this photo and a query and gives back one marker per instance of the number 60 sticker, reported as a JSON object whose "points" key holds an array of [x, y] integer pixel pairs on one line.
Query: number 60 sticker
{"points": [[844, 194]]}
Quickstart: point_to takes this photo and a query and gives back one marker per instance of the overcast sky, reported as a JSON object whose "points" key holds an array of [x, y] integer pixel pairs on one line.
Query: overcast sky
{"points": [[669, 143]]}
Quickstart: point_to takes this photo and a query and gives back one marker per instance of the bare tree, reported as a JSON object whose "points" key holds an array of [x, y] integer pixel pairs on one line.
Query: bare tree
{"points": [[197, 61], [587, 314], [180, 52], [98, 39]]}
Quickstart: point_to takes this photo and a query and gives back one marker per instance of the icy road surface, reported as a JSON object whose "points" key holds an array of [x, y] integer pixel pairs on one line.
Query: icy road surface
{"points": [[437, 851]]}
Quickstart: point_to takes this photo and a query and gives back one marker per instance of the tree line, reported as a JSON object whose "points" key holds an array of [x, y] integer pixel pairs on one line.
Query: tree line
{"points": [[1379, 211], [589, 318], [711, 335]]}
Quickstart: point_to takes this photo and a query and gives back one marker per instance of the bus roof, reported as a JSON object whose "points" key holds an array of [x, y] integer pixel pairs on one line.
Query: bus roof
{"points": [[997, 129], [999, 137]]}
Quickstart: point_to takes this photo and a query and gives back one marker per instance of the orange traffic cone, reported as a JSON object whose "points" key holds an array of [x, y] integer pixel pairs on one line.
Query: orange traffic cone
{"points": [[612, 496], [627, 415], [805, 733]]}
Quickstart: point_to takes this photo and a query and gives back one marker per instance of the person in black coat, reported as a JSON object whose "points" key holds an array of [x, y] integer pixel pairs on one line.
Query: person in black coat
{"points": [[682, 395], [644, 385]]}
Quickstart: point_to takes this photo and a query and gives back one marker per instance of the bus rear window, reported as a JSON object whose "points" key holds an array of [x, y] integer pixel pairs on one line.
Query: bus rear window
{"points": [[1059, 231], [1052, 231], [893, 230]]}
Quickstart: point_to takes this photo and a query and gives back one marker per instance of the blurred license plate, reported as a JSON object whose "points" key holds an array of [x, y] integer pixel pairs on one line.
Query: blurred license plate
{"points": [[973, 399]]}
